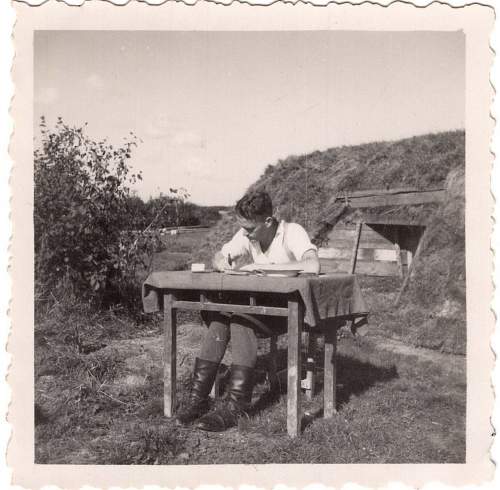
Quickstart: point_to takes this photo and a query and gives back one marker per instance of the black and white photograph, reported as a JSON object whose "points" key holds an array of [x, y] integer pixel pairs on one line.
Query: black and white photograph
{"points": [[249, 247]]}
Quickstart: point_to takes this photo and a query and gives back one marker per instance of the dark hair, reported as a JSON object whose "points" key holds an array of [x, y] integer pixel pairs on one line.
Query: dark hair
{"points": [[255, 204]]}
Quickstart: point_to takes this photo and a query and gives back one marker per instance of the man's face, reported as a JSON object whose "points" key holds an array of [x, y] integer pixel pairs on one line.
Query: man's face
{"points": [[256, 230]]}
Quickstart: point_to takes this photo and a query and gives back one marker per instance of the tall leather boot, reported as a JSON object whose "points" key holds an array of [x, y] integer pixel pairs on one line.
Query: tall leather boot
{"points": [[239, 397], [203, 378]]}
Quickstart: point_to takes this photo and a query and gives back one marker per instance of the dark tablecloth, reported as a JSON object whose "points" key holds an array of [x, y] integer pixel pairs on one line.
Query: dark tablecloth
{"points": [[324, 296]]}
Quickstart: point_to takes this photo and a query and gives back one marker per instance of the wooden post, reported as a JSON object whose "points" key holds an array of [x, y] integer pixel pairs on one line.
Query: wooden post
{"points": [[354, 256], [410, 268], [330, 383], [397, 248], [355, 247], [170, 355], [398, 259], [409, 260], [295, 320]]}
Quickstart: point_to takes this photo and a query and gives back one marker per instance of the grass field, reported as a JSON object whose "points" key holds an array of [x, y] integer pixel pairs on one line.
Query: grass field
{"points": [[99, 395], [105, 407]]}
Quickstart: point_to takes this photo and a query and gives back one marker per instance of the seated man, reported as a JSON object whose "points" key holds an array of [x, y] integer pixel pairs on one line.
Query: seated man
{"points": [[266, 241]]}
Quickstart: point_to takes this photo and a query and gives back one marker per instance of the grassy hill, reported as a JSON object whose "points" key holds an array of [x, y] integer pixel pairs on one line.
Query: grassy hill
{"points": [[432, 310]]}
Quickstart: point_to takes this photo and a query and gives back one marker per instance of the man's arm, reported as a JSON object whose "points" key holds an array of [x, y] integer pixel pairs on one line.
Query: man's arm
{"points": [[232, 254], [220, 262]]}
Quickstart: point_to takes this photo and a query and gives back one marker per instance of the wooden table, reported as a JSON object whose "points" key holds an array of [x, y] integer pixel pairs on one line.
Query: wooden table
{"points": [[325, 302]]}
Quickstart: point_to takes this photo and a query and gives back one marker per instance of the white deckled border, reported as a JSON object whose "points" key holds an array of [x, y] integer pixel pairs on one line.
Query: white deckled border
{"points": [[241, 17]]}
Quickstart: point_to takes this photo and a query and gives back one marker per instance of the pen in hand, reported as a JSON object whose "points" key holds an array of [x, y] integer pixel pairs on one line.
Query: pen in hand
{"points": [[229, 260]]}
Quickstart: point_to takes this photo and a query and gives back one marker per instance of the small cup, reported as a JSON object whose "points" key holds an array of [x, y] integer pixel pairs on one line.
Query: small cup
{"points": [[197, 267]]}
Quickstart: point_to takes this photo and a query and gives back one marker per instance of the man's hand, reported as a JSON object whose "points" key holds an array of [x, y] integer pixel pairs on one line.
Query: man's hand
{"points": [[220, 262], [251, 267]]}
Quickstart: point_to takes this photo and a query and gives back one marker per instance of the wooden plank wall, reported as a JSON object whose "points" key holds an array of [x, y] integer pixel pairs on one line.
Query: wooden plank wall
{"points": [[378, 249], [401, 199]]}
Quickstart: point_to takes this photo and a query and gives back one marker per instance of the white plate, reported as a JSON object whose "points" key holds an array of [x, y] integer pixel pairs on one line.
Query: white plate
{"points": [[280, 272]]}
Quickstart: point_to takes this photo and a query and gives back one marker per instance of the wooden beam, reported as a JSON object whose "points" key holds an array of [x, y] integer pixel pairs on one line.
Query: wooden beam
{"points": [[367, 254], [347, 232], [385, 192], [310, 381], [355, 247], [375, 268], [410, 268], [378, 219], [295, 320], [397, 250], [335, 242], [409, 258], [399, 261], [330, 372], [397, 199], [170, 355], [249, 309]]}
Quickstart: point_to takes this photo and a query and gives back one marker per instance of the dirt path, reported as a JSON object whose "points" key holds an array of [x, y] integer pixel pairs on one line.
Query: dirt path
{"points": [[445, 361]]}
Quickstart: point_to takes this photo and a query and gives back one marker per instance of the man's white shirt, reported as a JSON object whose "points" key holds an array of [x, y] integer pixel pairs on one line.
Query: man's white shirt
{"points": [[289, 244]]}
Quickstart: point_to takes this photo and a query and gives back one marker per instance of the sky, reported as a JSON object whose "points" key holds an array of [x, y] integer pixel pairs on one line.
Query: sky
{"points": [[213, 109]]}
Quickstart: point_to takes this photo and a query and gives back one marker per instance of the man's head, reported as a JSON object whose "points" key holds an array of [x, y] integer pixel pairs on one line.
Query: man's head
{"points": [[254, 212]]}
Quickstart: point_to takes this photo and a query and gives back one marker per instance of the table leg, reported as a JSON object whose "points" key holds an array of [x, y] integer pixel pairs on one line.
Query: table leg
{"points": [[330, 383], [295, 320], [310, 377], [170, 354]]}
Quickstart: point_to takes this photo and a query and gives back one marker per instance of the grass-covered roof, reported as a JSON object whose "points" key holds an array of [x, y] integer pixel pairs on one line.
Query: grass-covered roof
{"points": [[304, 187]]}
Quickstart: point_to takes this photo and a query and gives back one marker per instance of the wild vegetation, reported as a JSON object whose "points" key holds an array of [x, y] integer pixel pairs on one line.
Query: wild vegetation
{"points": [[81, 187], [98, 374], [89, 239]]}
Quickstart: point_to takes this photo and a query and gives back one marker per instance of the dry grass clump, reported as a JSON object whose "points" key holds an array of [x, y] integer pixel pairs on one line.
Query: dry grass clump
{"points": [[435, 299]]}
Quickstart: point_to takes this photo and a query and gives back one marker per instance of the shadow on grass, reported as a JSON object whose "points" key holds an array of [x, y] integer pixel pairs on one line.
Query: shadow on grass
{"points": [[353, 378]]}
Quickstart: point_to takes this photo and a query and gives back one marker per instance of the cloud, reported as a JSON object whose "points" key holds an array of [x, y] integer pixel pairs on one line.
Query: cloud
{"points": [[174, 133], [187, 139], [198, 168], [47, 95], [95, 81]]}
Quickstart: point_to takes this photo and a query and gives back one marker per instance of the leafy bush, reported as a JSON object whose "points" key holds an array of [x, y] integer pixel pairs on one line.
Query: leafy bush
{"points": [[80, 213], [171, 209]]}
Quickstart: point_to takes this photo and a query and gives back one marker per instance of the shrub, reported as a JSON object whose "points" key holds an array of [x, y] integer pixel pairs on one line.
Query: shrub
{"points": [[80, 212]]}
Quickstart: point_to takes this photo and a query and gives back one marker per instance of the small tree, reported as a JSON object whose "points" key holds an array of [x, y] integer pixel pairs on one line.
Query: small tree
{"points": [[172, 209], [81, 207]]}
